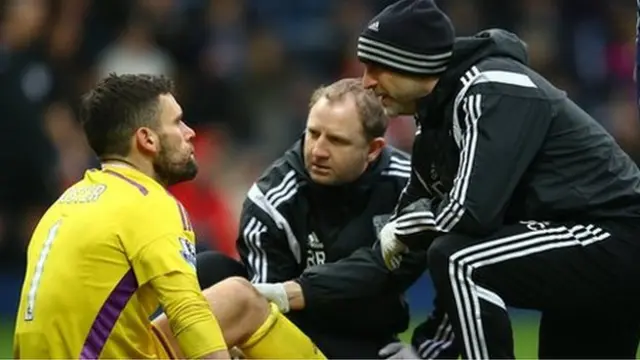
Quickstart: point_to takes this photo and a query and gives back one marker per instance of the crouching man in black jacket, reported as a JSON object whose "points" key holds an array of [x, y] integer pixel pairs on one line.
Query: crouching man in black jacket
{"points": [[520, 196], [309, 225]]}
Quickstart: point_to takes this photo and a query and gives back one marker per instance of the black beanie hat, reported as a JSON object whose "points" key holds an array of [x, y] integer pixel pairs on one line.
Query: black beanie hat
{"points": [[409, 36]]}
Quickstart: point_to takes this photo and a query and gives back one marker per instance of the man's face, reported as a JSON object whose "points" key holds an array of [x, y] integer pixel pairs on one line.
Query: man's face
{"points": [[336, 150], [397, 92], [175, 161]]}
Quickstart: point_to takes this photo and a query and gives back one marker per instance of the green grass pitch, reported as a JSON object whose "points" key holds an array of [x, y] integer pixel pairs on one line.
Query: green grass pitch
{"points": [[526, 338]]}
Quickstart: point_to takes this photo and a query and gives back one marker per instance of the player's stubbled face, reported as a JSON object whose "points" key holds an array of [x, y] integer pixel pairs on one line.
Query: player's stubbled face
{"points": [[175, 161], [397, 93], [335, 148]]}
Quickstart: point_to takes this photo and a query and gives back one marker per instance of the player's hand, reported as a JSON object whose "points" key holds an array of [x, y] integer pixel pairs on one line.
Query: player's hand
{"points": [[275, 293], [392, 249], [398, 350]]}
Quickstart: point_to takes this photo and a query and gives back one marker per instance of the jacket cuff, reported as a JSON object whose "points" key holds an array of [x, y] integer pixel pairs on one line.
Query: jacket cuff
{"points": [[307, 292]]}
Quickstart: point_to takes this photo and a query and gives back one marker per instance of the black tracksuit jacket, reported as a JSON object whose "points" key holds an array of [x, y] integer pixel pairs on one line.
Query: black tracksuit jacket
{"points": [[323, 237]]}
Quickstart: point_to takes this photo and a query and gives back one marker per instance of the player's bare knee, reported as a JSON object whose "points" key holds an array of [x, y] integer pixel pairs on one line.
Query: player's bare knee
{"points": [[250, 309], [239, 308], [248, 302], [252, 302]]}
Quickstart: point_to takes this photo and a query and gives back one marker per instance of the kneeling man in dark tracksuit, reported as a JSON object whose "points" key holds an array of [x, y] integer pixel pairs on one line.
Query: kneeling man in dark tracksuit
{"points": [[310, 222]]}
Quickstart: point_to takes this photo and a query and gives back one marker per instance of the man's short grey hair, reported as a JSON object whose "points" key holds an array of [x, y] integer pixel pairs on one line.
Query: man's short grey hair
{"points": [[370, 110]]}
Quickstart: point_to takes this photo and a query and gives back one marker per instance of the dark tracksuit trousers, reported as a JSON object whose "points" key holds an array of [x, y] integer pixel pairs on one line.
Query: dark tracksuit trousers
{"points": [[584, 278]]}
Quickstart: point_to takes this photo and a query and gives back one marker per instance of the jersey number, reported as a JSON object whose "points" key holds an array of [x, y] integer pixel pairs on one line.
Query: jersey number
{"points": [[35, 280]]}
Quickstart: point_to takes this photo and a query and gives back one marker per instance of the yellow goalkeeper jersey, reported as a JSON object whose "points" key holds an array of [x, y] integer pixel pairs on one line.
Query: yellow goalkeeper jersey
{"points": [[91, 259]]}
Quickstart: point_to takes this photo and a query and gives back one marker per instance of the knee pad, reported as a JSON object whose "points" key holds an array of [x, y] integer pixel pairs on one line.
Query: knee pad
{"points": [[213, 267]]}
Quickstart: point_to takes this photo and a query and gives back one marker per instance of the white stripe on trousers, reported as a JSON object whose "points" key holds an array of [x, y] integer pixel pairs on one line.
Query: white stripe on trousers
{"points": [[431, 348], [465, 261]]}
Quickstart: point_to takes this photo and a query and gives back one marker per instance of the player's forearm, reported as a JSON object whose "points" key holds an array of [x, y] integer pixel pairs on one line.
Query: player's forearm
{"points": [[203, 340], [190, 318], [162, 325]]}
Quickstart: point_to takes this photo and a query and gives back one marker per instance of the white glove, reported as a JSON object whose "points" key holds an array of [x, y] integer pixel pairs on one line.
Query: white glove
{"points": [[398, 350], [392, 249], [276, 294]]}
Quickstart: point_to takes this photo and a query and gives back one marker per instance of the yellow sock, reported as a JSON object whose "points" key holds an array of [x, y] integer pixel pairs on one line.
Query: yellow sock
{"points": [[279, 338]]}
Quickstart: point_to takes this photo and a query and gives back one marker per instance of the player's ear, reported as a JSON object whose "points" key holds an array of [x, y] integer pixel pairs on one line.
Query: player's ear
{"points": [[375, 147], [147, 140]]}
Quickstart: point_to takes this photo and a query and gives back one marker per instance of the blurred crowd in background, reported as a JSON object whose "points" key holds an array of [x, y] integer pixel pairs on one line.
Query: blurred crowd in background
{"points": [[245, 70]]}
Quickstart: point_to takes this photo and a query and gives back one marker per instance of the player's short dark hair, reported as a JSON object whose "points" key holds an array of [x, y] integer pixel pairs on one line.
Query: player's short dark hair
{"points": [[370, 110], [117, 106]]}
